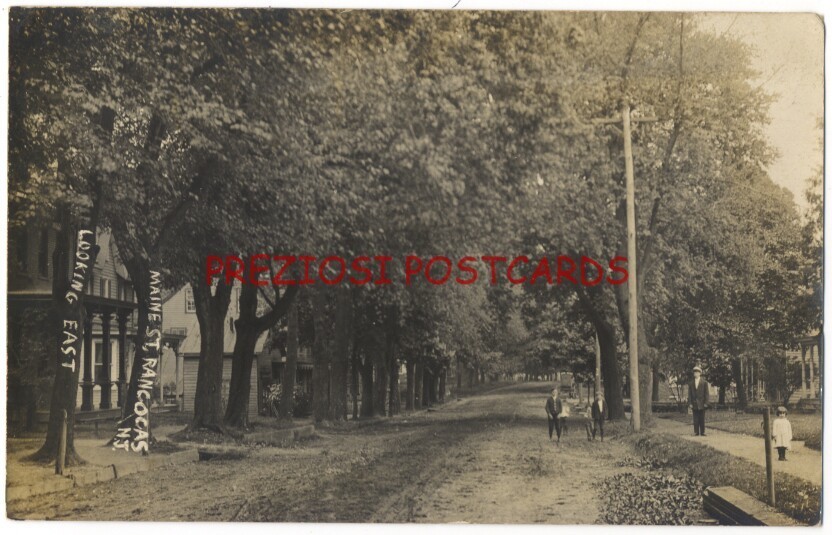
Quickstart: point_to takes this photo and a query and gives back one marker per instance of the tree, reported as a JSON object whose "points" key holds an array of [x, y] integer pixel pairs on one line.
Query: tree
{"points": [[50, 178]]}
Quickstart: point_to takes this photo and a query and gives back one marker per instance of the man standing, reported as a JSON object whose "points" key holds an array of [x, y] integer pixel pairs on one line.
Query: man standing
{"points": [[698, 400], [554, 407], [599, 414]]}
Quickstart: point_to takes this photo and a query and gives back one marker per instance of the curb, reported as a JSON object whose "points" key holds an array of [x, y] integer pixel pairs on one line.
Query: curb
{"points": [[98, 474]]}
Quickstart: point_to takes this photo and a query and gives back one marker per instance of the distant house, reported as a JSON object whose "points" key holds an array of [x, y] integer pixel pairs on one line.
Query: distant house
{"points": [[808, 354], [179, 320]]}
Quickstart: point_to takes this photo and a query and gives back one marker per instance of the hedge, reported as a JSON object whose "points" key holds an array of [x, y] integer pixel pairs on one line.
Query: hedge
{"points": [[794, 496]]}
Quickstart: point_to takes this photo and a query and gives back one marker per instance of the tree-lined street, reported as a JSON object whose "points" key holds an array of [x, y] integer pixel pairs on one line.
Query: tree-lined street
{"points": [[485, 459], [528, 144]]}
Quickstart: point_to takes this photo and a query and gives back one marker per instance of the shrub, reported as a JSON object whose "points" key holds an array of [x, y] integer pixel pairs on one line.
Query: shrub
{"points": [[654, 498], [301, 401], [795, 497]]}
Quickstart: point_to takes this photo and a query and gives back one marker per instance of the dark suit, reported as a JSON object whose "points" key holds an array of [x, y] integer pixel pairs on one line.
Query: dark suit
{"points": [[553, 409], [599, 414], [698, 400]]}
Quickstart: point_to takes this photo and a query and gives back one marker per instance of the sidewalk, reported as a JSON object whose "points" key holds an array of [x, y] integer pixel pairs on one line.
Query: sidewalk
{"points": [[102, 463], [804, 463]]}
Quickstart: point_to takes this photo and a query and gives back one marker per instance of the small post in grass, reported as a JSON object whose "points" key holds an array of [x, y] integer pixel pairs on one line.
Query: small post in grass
{"points": [[769, 463], [60, 461]]}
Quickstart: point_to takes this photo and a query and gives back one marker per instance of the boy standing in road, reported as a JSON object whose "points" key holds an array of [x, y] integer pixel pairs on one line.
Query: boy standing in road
{"points": [[554, 407], [599, 414]]}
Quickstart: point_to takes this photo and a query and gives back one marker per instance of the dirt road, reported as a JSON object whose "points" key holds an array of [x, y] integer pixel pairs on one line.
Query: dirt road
{"points": [[485, 459]]}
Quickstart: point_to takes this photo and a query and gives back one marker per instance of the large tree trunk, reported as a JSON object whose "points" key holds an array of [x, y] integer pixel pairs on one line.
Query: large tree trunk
{"points": [[434, 385], [246, 335], [321, 357], [340, 354], [134, 429], [736, 371], [391, 338], [69, 314], [426, 381], [609, 369], [68, 308], [395, 402], [656, 381], [248, 329], [211, 311], [410, 401], [287, 398], [367, 390], [459, 369], [139, 271], [419, 374], [381, 376], [442, 380], [645, 367], [355, 369], [236, 411]]}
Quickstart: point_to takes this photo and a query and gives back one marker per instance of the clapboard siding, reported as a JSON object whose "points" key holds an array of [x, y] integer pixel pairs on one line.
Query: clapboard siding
{"points": [[175, 317], [189, 376]]}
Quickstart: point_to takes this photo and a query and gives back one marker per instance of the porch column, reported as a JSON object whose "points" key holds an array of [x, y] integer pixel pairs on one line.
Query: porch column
{"points": [[803, 370], [106, 382], [87, 383], [122, 357], [812, 370], [819, 345]]}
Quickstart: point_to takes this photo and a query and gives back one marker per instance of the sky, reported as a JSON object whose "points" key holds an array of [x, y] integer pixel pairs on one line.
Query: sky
{"points": [[789, 57]]}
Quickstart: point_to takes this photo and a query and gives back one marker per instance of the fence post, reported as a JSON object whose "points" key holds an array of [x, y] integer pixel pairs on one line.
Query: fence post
{"points": [[769, 463], [61, 459]]}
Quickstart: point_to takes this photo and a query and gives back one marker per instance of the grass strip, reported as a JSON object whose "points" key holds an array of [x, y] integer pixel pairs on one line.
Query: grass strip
{"points": [[795, 497]]}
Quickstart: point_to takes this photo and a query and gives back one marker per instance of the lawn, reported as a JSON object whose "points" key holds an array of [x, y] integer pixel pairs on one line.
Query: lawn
{"points": [[806, 427]]}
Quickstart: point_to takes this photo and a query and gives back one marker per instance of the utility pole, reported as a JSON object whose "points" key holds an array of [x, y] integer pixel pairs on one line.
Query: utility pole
{"points": [[597, 365], [632, 284]]}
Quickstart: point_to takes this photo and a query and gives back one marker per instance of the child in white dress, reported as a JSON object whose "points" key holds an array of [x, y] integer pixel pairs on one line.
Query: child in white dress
{"points": [[781, 433]]}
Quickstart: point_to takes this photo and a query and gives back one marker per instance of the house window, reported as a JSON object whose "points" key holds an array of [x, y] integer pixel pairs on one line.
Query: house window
{"points": [[91, 285], [99, 375], [21, 248], [128, 292], [120, 294], [43, 254], [105, 287], [190, 305]]}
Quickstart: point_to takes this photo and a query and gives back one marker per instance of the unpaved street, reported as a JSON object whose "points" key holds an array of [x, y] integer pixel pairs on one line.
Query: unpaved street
{"points": [[485, 459]]}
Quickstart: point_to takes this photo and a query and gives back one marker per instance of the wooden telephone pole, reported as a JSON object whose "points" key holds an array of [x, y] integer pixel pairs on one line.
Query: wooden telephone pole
{"points": [[597, 366], [632, 285]]}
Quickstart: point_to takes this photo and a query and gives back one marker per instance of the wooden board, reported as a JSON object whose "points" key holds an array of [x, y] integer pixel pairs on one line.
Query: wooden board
{"points": [[733, 507]]}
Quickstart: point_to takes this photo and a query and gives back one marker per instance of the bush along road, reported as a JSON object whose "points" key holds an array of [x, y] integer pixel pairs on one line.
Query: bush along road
{"points": [[485, 459]]}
